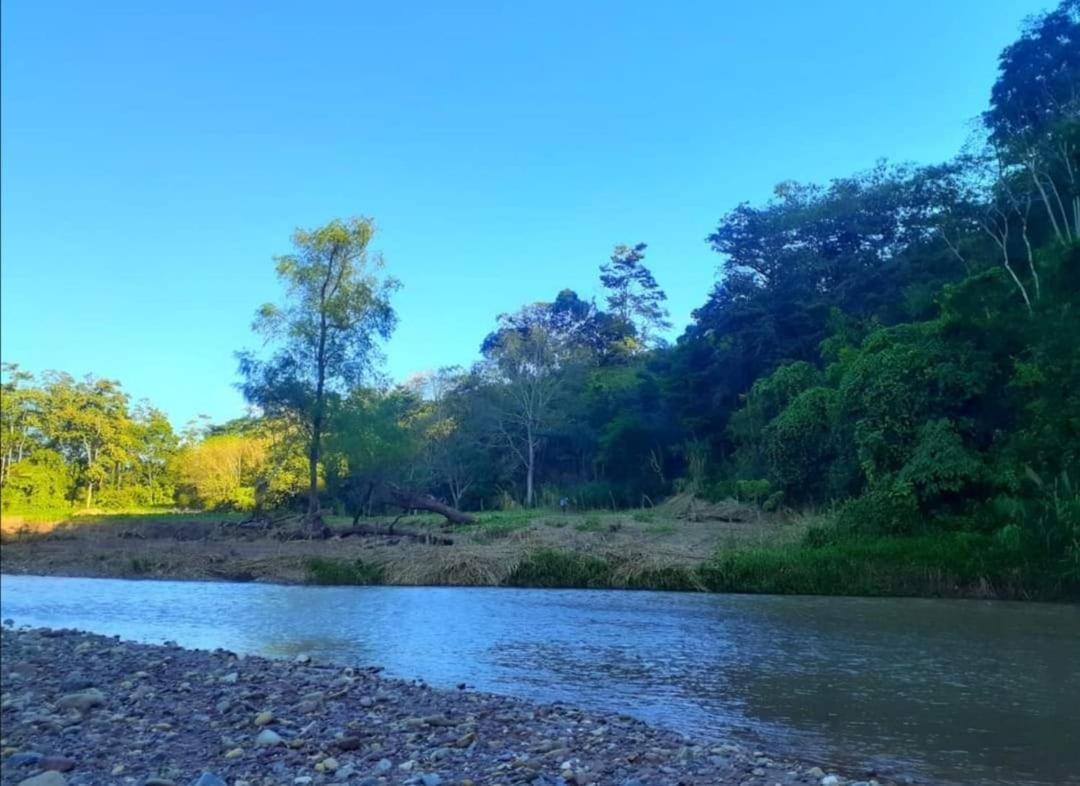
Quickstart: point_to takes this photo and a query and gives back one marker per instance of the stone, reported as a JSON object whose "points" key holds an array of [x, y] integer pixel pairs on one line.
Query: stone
{"points": [[431, 779], [329, 764], [816, 772], [757, 772], [349, 744], [58, 763], [268, 737], [24, 758], [264, 718], [82, 700], [47, 778], [74, 682], [208, 779], [302, 780], [229, 679], [155, 781], [302, 658], [234, 753], [830, 780], [383, 766]]}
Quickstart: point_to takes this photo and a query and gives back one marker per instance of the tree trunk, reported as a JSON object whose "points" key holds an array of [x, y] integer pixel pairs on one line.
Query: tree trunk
{"points": [[89, 493], [529, 473]]}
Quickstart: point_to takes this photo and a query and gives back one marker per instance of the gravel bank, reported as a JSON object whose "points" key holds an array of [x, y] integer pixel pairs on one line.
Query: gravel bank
{"points": [[79, 708]]}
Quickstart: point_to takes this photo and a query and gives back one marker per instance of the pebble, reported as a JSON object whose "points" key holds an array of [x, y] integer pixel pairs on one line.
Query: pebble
{"points": [[234, 753], [383, 766], [24, 759], [830, 780], [816, 772], [82, 700], [47, 778], [208, 779], [268, 737], [264, 719], [431, 779], [58, 763]]}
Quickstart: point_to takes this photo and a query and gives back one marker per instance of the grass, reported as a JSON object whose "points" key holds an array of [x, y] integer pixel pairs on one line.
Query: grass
{"points": [[940, 565], [321, 570]]}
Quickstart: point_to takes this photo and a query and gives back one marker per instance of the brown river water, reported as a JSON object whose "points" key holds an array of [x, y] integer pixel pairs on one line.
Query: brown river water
{"points": [[931, 691]]}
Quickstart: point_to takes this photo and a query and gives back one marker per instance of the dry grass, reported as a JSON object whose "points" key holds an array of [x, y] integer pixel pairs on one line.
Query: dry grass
{"points": [[635, 543]]}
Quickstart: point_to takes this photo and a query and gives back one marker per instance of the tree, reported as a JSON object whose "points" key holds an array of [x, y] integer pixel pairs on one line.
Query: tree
{"points": [[633, 294], [89, 422], [326, 330], [526, 364], [20, 415]]}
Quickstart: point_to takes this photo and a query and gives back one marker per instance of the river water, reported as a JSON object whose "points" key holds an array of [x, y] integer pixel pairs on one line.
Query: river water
{"points": [[956, 692]]}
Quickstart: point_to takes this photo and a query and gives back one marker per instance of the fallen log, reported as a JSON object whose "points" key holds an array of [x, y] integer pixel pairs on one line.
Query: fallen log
{"points": [[411, 500]]}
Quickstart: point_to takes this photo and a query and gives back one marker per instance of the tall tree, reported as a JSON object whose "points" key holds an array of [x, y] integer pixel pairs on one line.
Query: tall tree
{"points": [[326, 332], [526, 365], [633, 294]]}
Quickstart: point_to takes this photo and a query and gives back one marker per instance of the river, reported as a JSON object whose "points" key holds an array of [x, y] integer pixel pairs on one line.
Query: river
{"points": [[941, 691]]}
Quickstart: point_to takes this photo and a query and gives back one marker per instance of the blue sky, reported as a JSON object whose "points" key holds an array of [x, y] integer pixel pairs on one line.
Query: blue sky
{"points": [[155, 156]]}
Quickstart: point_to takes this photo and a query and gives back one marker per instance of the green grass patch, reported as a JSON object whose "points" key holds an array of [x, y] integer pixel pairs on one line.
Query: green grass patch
{"points": [[590, 524], [321, 570], [942, 565]]}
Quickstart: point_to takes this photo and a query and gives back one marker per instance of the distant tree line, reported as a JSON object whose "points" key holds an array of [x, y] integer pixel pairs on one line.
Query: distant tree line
{"points": [[898, 346]]}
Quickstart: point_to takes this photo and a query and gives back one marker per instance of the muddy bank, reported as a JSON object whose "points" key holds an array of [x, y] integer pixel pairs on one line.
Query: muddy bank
{"points": [[84, 709]]}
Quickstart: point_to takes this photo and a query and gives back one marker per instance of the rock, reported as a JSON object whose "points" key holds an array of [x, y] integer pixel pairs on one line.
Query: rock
{"points": [[58, 763], [74, 682], [466, 740], [431, 779], [82, 700], [307, 707], [830, 780], [349, 744], [370, 780], [264, 718], [155, 781], [302, 658], [229, 679], [24, 759], [757, 772], [234, 753], [208, 779], [47, 778], [383, 766], [302, 780], [117, 770], [816, 772], [329, 764], [632, 782], [268, 737]]}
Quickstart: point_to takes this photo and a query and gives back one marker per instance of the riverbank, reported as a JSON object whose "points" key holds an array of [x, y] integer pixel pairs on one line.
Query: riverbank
{"points": [[99, 710], [661, 549]]}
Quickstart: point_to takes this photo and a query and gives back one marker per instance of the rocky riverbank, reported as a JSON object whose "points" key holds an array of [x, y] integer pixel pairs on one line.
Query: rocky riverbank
{"points": [[81, 709]]}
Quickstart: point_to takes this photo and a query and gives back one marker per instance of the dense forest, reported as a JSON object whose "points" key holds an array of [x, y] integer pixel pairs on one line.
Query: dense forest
{"points": [[898, 350]]}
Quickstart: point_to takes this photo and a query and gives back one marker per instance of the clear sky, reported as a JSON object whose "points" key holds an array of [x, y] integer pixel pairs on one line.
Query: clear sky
{"points": [[156, 155]]}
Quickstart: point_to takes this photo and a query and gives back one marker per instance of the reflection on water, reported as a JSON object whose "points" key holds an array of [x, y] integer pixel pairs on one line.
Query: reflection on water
{"points": [[947, 691]]}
